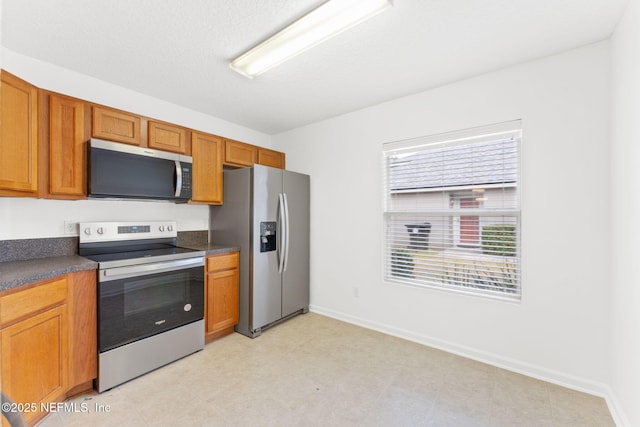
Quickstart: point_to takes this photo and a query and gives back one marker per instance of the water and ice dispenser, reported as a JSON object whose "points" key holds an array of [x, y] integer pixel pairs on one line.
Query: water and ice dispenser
{"points": [[267, 236]]}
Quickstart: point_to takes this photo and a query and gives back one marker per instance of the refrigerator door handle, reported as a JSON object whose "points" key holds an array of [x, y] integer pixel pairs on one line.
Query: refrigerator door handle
{"points": [[286, 236], [282, 232]]}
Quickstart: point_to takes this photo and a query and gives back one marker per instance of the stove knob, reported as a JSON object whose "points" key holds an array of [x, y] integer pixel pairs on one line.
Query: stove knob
{"points": [[161, 228], [170, 228], [100, 230], [87, 231]]}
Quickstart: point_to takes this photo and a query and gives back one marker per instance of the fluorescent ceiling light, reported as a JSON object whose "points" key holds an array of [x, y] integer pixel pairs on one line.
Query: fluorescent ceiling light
{"points": [[328, 20]]}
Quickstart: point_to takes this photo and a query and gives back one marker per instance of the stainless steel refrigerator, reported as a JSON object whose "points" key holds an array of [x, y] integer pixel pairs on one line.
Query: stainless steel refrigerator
{"points": [[266, 214]]}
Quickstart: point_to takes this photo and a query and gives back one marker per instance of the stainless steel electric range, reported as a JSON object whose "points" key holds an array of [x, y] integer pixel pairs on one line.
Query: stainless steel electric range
{"points": [[150, 297]]}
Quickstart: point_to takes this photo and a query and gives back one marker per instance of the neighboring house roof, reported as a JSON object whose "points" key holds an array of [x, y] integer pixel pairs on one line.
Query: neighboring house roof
{"points": [[479, 163]]}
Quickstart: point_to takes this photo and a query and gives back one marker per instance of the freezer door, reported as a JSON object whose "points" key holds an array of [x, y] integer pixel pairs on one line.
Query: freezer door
{"points": [[295, 278], [266, 292]]}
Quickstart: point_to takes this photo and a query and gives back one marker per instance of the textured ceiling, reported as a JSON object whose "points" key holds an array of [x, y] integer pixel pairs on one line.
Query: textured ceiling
{"points": [[179, 50]]}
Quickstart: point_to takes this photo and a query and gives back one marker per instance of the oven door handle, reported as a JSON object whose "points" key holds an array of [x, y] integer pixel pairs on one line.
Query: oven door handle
{"points": [[118, 273]]}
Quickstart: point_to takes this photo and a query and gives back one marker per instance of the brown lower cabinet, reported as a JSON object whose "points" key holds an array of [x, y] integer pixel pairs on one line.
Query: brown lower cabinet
{"points": [[221, 295], [48, 341]]}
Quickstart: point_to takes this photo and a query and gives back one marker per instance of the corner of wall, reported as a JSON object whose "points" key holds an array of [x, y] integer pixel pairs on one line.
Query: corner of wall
{"points": [[625, 209]]}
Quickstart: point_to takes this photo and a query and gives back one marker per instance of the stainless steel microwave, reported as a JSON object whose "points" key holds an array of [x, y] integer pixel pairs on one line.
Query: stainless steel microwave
{"points": [[124, 171]]}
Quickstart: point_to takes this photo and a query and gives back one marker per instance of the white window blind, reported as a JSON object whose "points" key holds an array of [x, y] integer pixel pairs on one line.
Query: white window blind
{"points": [[452, 210]]}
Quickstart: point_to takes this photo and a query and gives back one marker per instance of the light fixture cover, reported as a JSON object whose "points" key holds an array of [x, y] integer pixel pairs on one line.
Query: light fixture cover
{"points": [[322, 23]]}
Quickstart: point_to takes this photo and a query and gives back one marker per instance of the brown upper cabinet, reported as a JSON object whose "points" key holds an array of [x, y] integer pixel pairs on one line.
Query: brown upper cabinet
{"points": [[115, 125], [271, 158], [206, 151], [18, 137], [43, 138], [167, 137], [67, 146], [238, 153]]}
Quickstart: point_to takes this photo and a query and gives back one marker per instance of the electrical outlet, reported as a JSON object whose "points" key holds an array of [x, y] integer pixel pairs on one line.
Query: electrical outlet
{"points": [[70, 228]]}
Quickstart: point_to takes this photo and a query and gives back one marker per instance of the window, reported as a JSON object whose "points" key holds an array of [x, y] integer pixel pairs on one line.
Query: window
{"points": [[452, 210]]}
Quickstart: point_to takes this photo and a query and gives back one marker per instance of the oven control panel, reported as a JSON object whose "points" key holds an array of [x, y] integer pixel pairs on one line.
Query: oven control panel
{"points": [[124, 229], [117, 231]]}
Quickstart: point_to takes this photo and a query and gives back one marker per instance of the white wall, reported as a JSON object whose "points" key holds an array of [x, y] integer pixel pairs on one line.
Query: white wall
{"points": [[22, 218], [625, 219], [28, 218], [560, 330]]}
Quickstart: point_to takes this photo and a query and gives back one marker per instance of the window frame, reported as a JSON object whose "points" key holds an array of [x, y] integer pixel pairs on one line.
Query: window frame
{"points": [[511, 215]]}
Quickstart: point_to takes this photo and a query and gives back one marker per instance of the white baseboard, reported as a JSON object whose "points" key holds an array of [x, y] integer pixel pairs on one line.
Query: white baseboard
{"points": [[544, 374], [616, 409]]}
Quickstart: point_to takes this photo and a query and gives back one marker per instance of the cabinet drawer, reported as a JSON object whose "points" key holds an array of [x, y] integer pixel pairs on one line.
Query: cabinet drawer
{"points": [[23, 303], [222, 262]]}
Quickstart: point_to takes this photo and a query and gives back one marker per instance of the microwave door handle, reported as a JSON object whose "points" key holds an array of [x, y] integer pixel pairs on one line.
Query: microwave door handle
{"points": [[178, 178]]}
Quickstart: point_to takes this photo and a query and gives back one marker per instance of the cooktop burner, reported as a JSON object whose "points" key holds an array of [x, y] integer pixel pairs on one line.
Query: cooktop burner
{"points": [[151, 253]]}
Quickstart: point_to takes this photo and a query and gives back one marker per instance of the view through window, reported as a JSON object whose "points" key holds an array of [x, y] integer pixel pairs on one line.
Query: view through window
{"points": [[452, 210]]}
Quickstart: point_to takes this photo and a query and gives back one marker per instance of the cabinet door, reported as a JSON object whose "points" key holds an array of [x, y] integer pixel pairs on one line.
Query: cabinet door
{"points": [[238, 153], [66, 146], [271, 158], [116, 126], [223, 307], [206, 151], [18, 136], [33, 364], [163, 136], [221, 295]]}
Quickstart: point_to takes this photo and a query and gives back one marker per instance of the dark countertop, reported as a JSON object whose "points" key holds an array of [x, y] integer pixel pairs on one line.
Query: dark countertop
{"points": [[199, 240], [17, 273], [187, 239], [211, 249]]}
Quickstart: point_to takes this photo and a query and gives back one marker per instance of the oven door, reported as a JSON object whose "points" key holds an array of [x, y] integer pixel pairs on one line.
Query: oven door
{"points": [[139, 301]]}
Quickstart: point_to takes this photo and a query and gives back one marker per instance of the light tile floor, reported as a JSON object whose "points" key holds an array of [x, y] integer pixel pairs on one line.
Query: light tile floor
{"points": [[316, 371]]}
